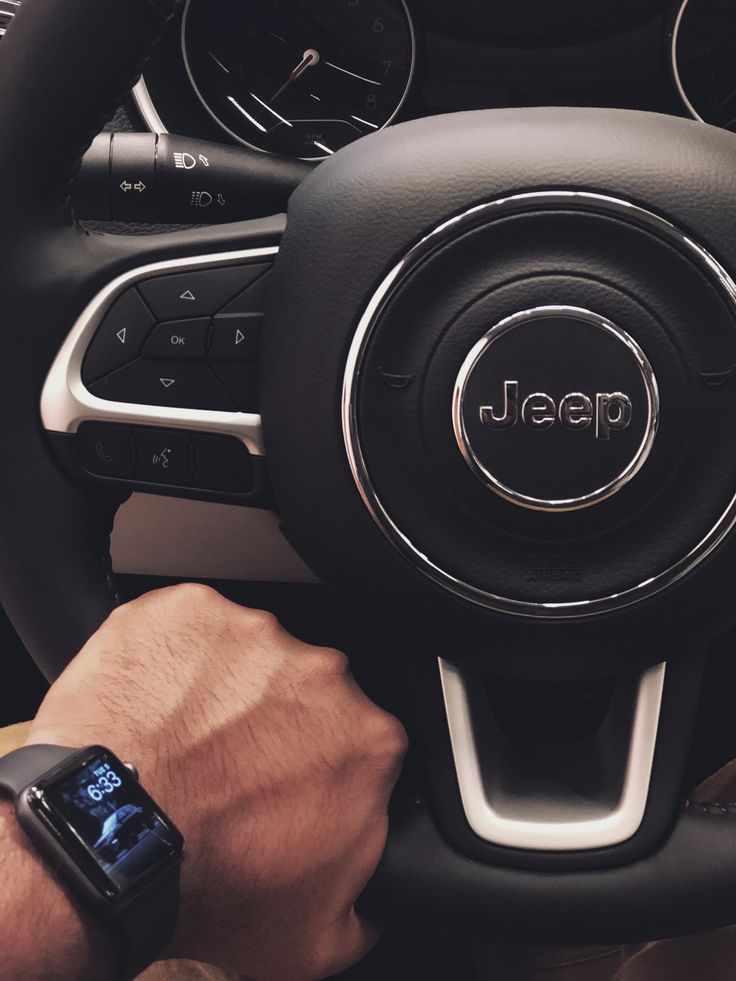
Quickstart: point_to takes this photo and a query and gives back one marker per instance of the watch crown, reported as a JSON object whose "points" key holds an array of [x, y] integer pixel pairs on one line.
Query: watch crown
{"points": [[132, 769]]}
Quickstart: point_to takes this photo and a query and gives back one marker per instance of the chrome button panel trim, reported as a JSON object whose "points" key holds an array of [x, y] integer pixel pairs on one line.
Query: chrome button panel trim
{"points": [[66, 402]]}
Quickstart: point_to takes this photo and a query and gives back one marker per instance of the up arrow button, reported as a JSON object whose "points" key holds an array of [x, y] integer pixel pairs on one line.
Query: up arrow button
{"points": [[201, 293]]}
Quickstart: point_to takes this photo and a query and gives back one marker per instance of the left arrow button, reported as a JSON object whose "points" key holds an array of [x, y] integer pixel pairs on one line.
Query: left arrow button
{"points": [[119, 338]]}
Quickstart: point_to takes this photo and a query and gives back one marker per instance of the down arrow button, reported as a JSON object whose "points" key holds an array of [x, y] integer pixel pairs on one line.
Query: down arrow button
{"points": [[179, 384]]}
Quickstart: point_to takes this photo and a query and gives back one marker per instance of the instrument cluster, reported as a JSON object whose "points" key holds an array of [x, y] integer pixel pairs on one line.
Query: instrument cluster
{"points": [[304, 78]]}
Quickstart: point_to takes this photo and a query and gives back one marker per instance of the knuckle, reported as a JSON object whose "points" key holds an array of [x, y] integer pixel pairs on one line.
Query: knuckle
{"points": [[388, 739], [190, 606], [321, 664], [183, 599], [187, 609], [260, 621], [331, 660], [192, 592]]}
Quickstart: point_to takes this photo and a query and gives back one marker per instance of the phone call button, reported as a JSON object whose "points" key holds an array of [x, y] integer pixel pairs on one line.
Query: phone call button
{"points": [[105, 449]]}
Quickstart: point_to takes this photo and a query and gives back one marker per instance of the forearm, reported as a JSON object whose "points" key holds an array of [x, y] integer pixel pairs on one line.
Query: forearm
{"points": [[42, 934]]}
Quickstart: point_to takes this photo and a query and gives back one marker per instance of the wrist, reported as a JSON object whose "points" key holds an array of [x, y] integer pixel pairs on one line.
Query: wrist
{"points": [[44, 932]]}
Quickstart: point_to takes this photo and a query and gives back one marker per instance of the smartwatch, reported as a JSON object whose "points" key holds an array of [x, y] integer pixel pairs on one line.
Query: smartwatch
{"points": [[111, 844]]}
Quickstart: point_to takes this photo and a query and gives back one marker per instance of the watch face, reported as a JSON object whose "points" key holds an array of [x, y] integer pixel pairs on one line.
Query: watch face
{"points": [[106, 823]]}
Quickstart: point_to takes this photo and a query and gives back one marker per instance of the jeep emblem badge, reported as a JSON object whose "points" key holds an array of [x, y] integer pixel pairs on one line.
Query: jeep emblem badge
{"points": [[555, 408], [612, 411]]}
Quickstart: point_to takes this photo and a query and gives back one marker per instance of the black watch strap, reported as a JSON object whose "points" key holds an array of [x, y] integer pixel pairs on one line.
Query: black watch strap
{"points": [[21, 767], [146, 924]]}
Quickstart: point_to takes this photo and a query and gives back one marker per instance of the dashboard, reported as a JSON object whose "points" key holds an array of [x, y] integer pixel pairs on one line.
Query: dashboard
{"points": [[306, 77]]}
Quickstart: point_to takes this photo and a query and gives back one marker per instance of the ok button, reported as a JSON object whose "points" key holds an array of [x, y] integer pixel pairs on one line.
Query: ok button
{"points": [[180, 339]]}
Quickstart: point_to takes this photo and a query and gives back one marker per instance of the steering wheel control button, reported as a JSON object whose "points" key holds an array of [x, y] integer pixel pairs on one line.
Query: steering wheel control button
{"points": [[199, 293], [180, 384], [119, 337], [105, 449], [555, 408], [185, 340], [221, 463], [163, 457], [240, 378], [236, 337], [251, 300]]}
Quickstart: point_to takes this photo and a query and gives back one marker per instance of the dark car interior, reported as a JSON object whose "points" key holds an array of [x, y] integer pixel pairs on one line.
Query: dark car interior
{"points": [[413, 322]]}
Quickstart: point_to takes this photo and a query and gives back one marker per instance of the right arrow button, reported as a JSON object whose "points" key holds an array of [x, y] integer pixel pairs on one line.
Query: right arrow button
{"points": [[236, 337]]}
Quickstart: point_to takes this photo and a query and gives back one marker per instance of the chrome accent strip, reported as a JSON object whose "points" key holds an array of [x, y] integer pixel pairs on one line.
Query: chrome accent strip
{"points": [[66, 402], [573, 503], [239, 139], [144, 105], [581, 200], [601, 831], [675, 66]]}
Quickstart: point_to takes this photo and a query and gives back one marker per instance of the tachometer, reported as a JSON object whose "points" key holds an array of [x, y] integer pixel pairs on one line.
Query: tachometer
{"points": [[299, 77]]}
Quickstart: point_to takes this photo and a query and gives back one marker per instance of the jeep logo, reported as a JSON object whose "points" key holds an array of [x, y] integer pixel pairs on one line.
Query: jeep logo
{"points": [[611, 411]]}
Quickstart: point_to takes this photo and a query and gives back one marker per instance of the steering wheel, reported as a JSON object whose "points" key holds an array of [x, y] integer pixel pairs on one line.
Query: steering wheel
{"points": [[497, 411]]}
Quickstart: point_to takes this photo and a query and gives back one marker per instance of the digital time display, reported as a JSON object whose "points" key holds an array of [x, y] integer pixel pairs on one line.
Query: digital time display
{"points": [[100, 805]]}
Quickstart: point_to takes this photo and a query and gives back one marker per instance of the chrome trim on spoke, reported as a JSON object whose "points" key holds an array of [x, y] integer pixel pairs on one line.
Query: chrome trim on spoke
{"points": [[66, 402], [513, 824], [586, 201]]}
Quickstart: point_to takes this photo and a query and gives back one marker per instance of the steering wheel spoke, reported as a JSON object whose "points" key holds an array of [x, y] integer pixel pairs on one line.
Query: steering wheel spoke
{"points": [[583, 784], [156, 386]]}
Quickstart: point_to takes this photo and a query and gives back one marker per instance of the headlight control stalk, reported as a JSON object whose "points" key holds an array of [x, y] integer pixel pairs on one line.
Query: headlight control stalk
{"points": [[161, 178]]}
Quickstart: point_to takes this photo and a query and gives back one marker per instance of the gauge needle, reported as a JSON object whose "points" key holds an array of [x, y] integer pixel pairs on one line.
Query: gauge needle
{"points": [[309, 59]]}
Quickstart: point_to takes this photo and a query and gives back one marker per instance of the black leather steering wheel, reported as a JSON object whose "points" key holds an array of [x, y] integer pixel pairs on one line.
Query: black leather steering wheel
{"points": [[497, 401]]}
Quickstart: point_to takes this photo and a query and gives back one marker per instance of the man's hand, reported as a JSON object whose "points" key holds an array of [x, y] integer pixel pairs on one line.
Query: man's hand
{"points": [[264, 751]]}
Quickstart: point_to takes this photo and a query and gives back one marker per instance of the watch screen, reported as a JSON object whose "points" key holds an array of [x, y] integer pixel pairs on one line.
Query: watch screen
{"points": [[100, 805]]}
